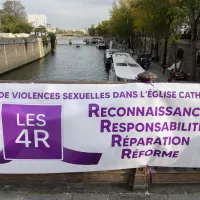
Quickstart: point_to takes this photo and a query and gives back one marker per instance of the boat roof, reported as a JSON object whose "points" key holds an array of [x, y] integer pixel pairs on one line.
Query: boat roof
{"points": [[117, 50], [121, 55], [126, 67]]}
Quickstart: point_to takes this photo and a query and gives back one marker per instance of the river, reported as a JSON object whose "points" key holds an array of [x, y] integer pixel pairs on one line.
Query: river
{"points": [[67, 63]]}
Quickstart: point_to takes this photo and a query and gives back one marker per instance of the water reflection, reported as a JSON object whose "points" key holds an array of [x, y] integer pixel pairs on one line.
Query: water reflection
{"points": [[107, 69]]}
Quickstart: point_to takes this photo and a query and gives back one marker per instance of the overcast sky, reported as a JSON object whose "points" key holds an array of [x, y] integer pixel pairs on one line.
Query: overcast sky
{"points": [[70, 14]]}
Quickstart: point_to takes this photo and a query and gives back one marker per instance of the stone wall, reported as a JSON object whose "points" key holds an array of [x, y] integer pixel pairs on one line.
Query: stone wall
{"points": [[18, 52], [11, 35], [182, 44]]}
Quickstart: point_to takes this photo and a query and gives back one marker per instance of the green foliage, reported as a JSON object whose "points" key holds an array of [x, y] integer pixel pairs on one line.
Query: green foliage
{"points": [[162, 19], [13, 18], [192, 11], [53, 39], [23, 27], [103, 28], [192, 8], [45, 41], [157, 17], [41, 29], [52, 36], [92, 30], [121, 20], [12, 24]]}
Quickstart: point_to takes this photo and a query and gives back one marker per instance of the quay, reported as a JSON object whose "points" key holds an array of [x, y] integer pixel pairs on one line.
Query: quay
{"points": [[17, 52]]}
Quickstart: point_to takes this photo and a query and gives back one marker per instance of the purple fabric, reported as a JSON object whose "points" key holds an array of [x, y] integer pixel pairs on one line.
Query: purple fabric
{"points": [[81, 158], [69, 156], [13, 115], [51, 121]]}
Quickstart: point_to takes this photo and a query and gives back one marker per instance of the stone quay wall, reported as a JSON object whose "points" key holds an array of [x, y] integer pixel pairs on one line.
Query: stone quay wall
{"points": [[17, 52]]}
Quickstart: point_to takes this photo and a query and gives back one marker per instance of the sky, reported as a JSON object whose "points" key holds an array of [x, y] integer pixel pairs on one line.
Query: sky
{"points": [[70, 14]]}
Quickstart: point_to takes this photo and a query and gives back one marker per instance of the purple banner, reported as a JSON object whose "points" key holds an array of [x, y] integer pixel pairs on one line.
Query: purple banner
{"points": [[33, 132]]}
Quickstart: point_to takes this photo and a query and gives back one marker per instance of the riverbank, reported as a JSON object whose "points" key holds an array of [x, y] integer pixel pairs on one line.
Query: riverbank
{"points": [[17, 52]]}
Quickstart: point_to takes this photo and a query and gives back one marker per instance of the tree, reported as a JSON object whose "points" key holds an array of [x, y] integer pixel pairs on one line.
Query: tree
{"points": [[41, 29], [53, 40], [14, 7], [13, 19], [121, 20], [192, 8], [92, 30], [103, 28], [11, 24], [159, 18], [22, 27], [144, 23], [8, 23]]}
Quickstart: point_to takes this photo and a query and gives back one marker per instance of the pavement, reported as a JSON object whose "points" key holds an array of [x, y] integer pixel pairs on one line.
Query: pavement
{"points": [[158, 70], [162, 78], [98, 192]]}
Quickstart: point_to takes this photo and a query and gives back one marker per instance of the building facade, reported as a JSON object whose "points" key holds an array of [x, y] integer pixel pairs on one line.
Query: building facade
{"points": [[37, 20]]}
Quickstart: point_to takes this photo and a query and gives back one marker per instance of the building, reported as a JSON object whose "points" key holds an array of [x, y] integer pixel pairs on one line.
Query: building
{"points": [[37, 20]]}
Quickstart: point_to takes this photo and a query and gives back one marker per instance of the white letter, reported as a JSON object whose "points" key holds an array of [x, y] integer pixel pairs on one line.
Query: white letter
{"points": [[41, 120], [26, 140], [29, 119], [18, 123], [37, 139]]}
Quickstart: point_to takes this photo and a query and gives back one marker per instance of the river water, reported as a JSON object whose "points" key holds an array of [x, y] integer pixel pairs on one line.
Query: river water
{"points": [[67, 63]]}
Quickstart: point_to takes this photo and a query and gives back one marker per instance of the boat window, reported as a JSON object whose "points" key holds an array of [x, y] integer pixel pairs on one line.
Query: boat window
{"points": [[132, 65], [121, 64]]}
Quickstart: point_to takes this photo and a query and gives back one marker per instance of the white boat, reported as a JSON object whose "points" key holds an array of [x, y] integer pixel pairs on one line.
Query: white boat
{"points": [[125, 67], [101, 45], [109, 53]]}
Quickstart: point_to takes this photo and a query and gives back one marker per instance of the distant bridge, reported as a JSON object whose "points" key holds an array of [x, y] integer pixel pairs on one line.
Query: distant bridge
{"points": [[71, 36]]}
